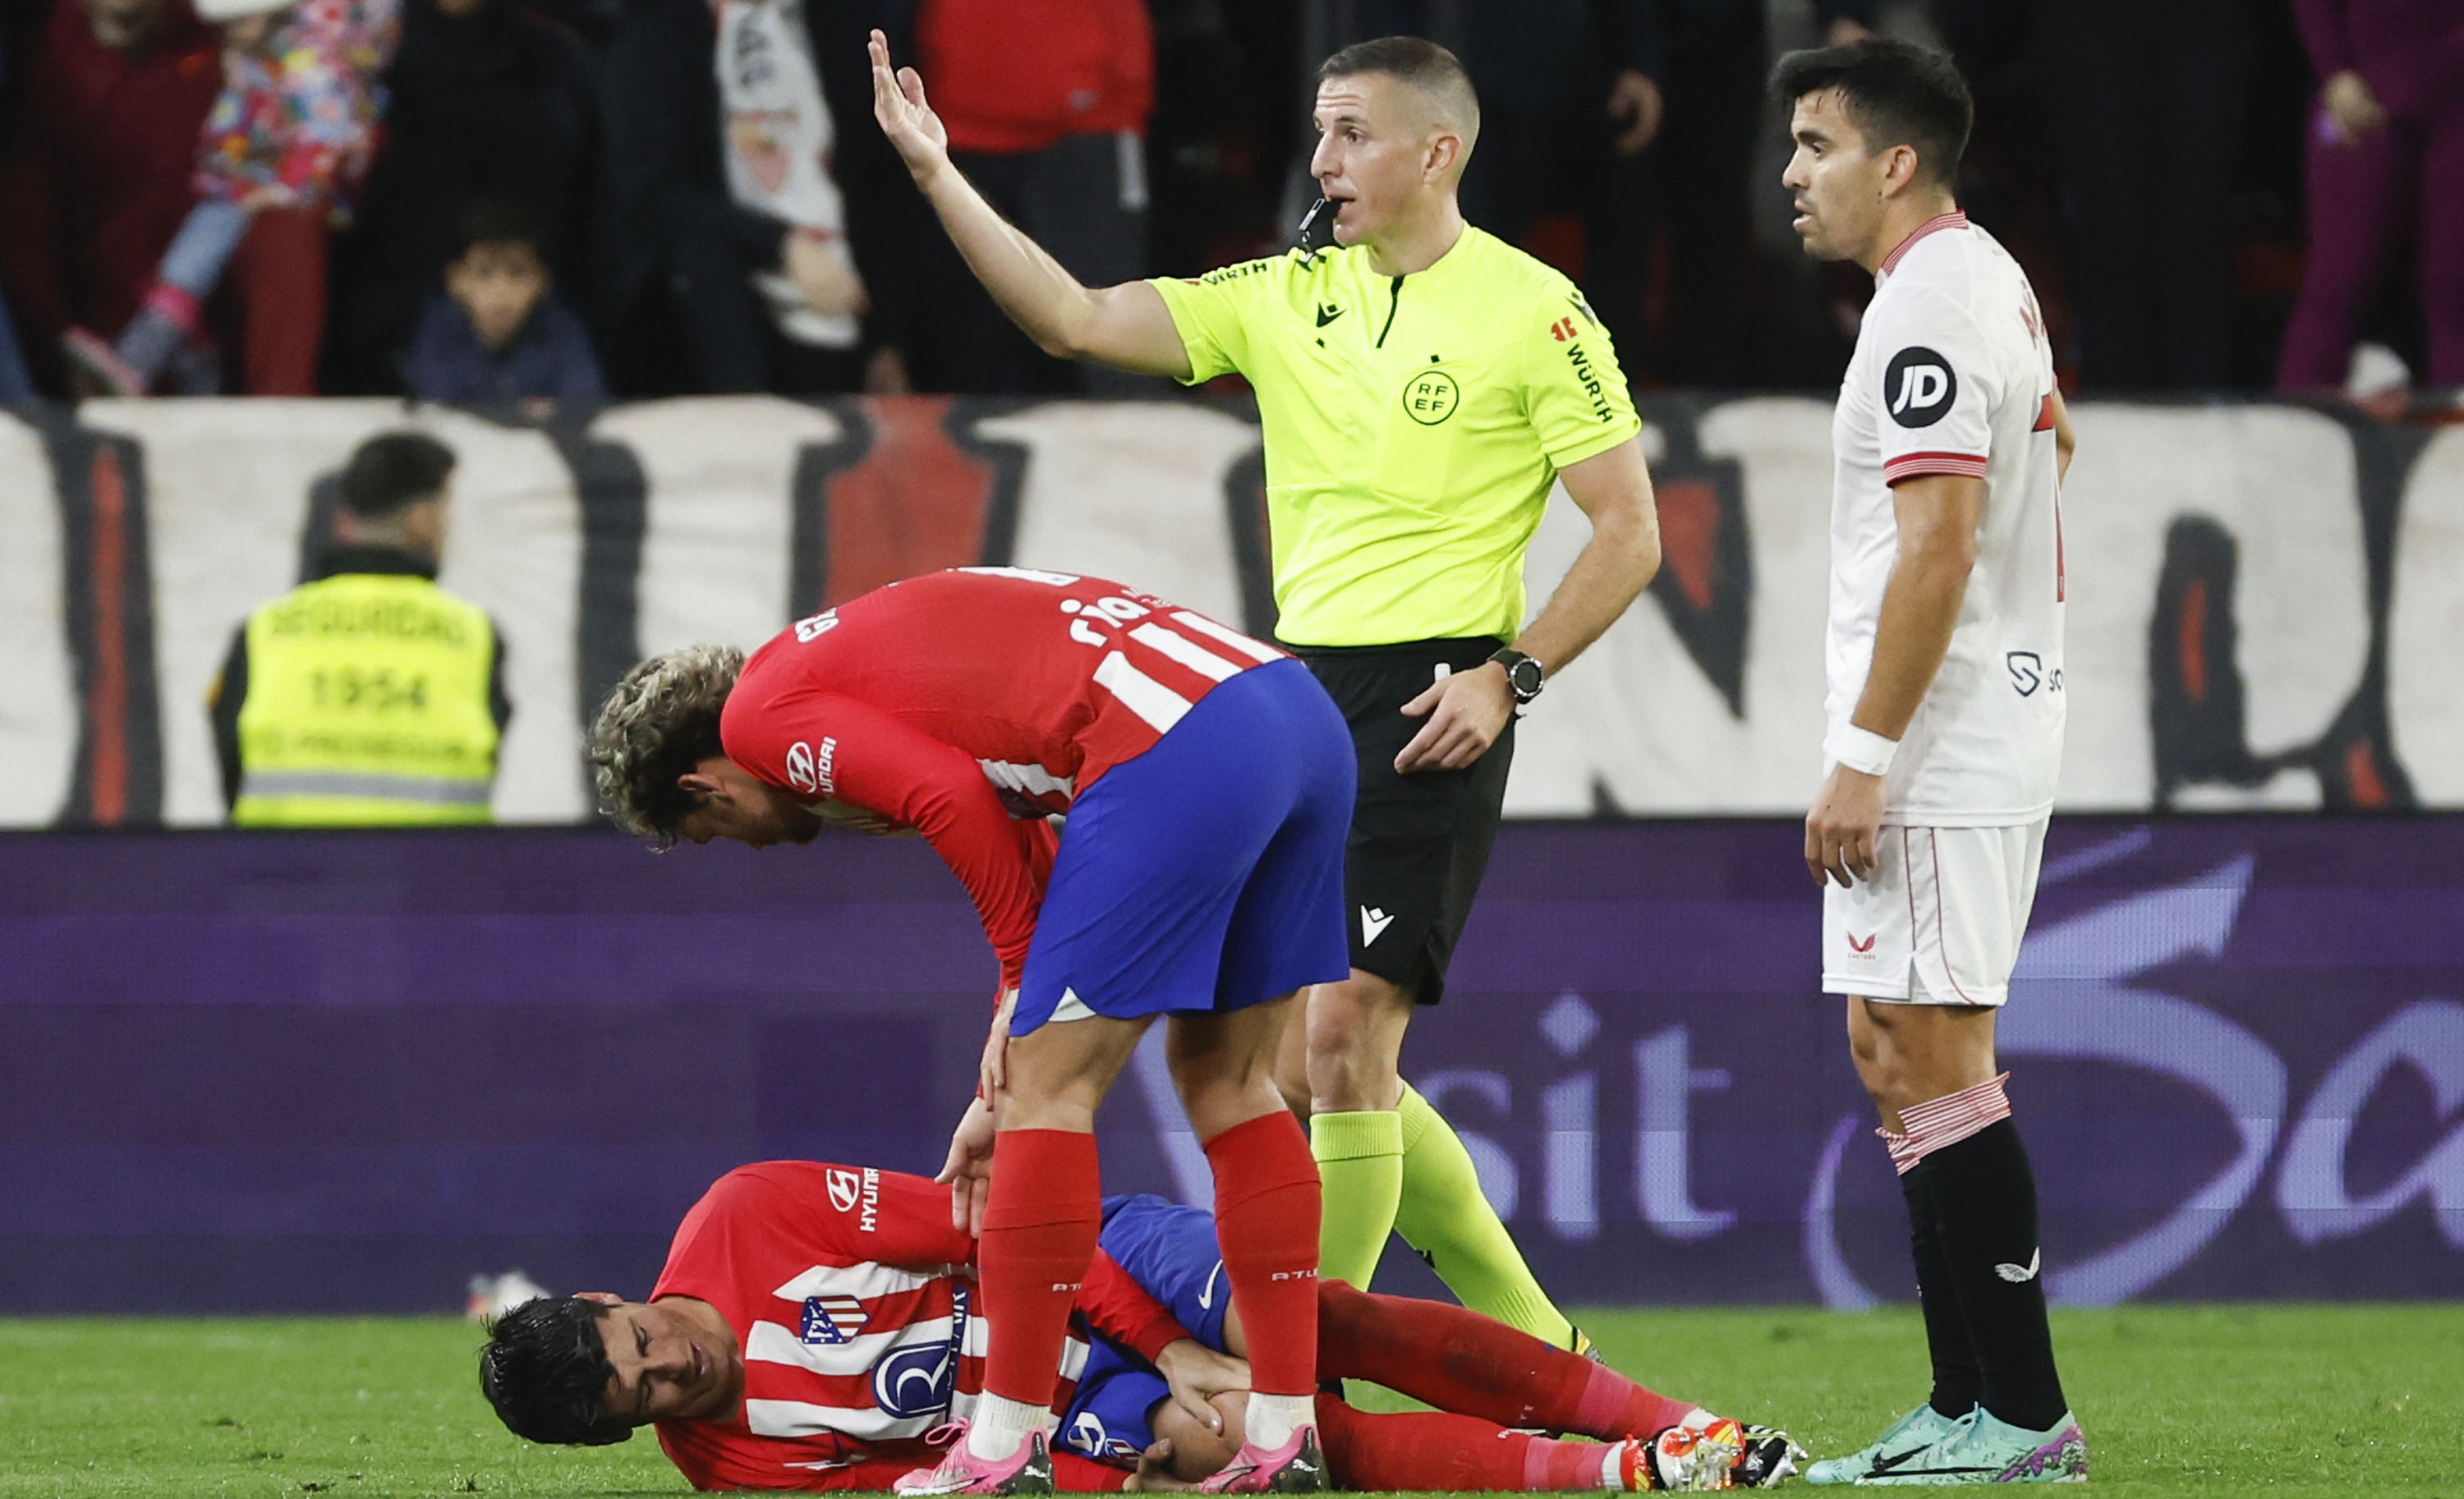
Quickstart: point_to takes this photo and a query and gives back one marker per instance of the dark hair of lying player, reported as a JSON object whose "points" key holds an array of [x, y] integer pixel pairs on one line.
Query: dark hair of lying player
{"points": [[1895, 92], [545, 1370]]}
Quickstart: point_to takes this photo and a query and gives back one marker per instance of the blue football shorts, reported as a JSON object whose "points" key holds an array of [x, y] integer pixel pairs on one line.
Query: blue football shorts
{"points": [[1169, 1250], [1207, 873]]}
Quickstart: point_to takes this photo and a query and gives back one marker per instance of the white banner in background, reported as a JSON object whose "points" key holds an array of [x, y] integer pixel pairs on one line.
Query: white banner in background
{"points": [[38, 712], [715, 552], [226, 497], [1143, 491], [2425, 626]]}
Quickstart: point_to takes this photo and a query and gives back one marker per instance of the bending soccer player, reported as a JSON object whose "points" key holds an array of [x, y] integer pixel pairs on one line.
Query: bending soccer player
{"points": [[815, 1325], [1208, 782]]}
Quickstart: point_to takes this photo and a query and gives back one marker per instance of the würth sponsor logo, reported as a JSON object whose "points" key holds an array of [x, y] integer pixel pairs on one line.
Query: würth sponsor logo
{"points": [[809, 770], [1581, 364], [1562, 330]]}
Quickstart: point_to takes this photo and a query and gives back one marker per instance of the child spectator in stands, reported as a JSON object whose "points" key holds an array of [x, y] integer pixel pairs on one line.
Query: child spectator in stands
{"points": [[293, 127], [486, 100], [498, 332]]}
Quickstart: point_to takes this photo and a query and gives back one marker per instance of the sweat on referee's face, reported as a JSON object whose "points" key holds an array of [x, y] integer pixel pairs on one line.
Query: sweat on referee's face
{"points": [[1386, 150]]}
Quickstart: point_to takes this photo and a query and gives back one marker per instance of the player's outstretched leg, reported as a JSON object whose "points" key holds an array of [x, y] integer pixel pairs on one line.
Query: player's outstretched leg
{"points": [[1267, 1209], [1425, 1451], [1459, 1360], [1440, 1451], [1465, 1363], [1443, 1214]]}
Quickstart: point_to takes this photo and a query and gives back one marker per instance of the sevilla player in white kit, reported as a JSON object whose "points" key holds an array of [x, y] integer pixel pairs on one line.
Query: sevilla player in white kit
{"points": [[1208, 784], [1943, 736]]}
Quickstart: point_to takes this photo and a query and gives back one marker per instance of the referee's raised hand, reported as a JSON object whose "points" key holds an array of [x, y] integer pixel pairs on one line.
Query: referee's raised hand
{"points": [[915, 131]]}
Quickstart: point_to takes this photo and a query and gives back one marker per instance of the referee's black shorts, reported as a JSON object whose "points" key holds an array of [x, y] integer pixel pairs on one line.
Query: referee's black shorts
{"points": [[1419, 843]]}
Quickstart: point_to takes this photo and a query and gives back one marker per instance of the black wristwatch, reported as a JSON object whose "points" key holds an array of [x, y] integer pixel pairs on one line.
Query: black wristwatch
{"points": [[1522, 673]]}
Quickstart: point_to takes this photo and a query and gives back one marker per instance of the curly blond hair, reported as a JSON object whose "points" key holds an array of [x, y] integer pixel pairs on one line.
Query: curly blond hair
{"points": [[658, 724]]}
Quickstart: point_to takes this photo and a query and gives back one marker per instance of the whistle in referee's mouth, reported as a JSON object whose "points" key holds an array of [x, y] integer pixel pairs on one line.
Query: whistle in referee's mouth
{"points": [[1309, 222]]}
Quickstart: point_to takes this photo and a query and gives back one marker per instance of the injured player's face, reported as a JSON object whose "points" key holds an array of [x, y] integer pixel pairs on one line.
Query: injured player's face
{"points": [[675, 1359]]}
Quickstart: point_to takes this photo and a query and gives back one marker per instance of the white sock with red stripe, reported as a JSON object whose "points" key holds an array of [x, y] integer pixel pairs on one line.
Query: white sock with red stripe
{"points": [[1946, 1120]]}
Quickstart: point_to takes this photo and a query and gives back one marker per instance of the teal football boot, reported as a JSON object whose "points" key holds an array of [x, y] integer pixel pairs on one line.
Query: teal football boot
{"points": [[1913, 1433], [1986, 1450]]}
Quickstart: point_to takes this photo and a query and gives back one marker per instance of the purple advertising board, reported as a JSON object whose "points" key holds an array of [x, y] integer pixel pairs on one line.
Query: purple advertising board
{"points": [[346, 1071]]}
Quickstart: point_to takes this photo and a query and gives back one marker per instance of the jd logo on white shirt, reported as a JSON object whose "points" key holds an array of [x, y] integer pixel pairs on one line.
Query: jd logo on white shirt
{"points": [[1920, 386]]}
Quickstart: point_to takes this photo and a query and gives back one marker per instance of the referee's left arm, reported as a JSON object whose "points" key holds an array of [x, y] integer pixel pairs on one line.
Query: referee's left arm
{"points": [[1470, 710], [1612, 490]]}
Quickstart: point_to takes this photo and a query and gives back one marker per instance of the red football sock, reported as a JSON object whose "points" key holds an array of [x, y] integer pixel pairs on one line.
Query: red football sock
{"points": [[1038, 1237], [1431, 1450], [1459, 1360], [1266, 1209]]}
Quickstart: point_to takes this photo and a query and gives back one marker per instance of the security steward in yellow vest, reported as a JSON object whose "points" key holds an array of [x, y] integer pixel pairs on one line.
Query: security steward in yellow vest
{"points": [[368, 696]]}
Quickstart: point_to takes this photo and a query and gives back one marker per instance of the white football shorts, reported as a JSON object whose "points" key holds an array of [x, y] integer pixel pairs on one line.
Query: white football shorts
{"points": [[1940, 920]]}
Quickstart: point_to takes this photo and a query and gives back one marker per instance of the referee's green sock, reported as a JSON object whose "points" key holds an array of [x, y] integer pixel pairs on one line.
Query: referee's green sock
{"points": [[1360, 1164], [1443, 1215]]}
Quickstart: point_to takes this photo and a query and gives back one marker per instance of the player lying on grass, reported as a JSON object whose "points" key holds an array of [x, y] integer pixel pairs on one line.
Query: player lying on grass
{"points": [[816, 1328], [1208, 784]]}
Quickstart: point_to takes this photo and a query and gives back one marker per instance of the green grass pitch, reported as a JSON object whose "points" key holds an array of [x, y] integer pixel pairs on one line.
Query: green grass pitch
{"points": [[2287, 1401]]}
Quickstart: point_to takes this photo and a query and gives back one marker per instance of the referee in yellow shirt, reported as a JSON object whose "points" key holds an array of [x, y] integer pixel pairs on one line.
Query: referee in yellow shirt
{"points": [[1421, 384]]}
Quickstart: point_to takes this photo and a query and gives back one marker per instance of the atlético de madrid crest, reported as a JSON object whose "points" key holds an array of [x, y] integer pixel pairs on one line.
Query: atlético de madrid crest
{"points": [[831, 1319]]}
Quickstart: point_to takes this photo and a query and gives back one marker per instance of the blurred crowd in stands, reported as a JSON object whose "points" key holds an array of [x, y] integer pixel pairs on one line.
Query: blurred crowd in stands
{"points": [[491, 200]]}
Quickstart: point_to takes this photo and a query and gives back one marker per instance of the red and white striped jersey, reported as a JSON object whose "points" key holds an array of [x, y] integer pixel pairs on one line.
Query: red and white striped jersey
{"points": [[1954, 374], [968, 704], [852, 1299]]}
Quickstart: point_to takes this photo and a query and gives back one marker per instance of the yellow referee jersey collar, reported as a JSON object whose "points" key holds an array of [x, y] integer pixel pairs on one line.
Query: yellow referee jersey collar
{"points": [[1453, 254]]}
